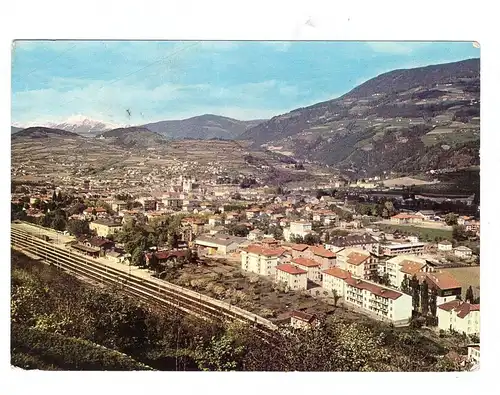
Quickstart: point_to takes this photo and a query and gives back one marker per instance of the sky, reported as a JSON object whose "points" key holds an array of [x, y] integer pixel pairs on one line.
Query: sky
{"points": [[159, 80]]}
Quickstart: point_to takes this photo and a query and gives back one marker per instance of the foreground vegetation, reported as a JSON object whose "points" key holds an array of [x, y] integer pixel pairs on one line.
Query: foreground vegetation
{"points": [[58, 321]]}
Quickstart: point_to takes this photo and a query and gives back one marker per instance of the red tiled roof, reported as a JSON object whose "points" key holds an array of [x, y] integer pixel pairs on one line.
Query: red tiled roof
{"points": [[290, 269], [170, 254], [405, 216], [410, 267], [337, 272], [322, 252], [448, 306], [465, 308], [441, 280], [260, 250], [299, 247], [356, 258], [300, 315], [305, 262], [373, 288], [97, 209]]}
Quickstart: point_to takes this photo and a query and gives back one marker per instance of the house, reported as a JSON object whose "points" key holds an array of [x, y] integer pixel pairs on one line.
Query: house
{"points": [[360, 263], [197, 225], [118, 206], [412, 239], [261, 260], [383, 303], [299, 250], [334, 280], [293, 277], [320, 254], [102, 243], [297, 228], [252, 213], [427, 215], [255, 234], [365, 242], [462, 317], [447, 286], [401, 218], [98, 212], [218, 244], [83, 249], [445, 245], [311, 267], [403, 249], [214, 220], [117, 256], [473, 354], [472, 226], [302, 320], [166, 256], [401, 265], [463, 252], [104, 228]]}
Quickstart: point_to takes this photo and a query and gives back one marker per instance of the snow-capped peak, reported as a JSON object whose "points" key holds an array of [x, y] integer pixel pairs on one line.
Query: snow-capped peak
{"points": [[77, 124]]}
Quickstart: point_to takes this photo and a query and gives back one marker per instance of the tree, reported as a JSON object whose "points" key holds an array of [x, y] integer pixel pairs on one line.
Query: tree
{"points": [[54, 196], [405, 285], [311, 239], [469, 295], [336, 297], [296, 239], [58, 223], [173, 240], [78, 227], [239, 230], [424, 297], [433, 301], [451, 219], [415, 293], [327, 237], [220, 354], [459, 233], [385, 280]]}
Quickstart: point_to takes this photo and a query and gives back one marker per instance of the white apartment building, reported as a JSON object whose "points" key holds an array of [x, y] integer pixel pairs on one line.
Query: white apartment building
{"points": [[384, 303], [445, 245], [297, 228], [463, 252], [311, 267], [360, 263], [403, 249], [459, 316], [294, 277], [260, 260], [334, 280], [473, 354], [400, 265]]}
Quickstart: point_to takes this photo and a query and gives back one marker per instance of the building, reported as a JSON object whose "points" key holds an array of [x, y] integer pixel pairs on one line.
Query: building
{"points": [[218, 244], [324, 257], [445, 245], [365, 242], [383, 303], [293, 277], [311, 267], [447, 286], [252, 213], [299, 250], [462, 317], [118, 206], [360, 263], [399, 266], [261, 260], [463, 252], [103, 228], [214, 220], [401, 219], [427, 215], [403, 249], [473, 354], [302, 320], [297, 228], [334, 280], [163, 257], [255, 234]]}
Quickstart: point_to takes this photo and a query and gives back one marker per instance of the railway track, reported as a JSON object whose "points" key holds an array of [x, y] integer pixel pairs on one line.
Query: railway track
{"points": [[148, 290]]}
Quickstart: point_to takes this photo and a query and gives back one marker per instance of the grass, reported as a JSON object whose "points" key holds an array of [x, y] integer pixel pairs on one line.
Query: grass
{"points": [[425, 234]]}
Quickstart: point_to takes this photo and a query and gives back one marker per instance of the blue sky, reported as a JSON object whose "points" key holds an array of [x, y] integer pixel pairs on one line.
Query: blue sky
{"points": [[158, 80]]}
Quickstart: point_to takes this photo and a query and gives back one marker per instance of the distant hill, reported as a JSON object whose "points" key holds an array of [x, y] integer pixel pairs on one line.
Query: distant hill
{"points": [[38, 132], [403, 121], [15, 129], [135, 136], [206, 126]]}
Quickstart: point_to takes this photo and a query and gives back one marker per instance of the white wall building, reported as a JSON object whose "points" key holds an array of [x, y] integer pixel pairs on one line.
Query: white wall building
{"points": [[260, 260], [445, 245], [400, 265], [459, 316], [291, 276], [334, 280], [311, 267], [297, 228], [463, 252]]}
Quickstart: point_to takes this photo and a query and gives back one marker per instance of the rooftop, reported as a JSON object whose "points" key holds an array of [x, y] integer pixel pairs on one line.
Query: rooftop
{"points": [[290, 269], [305, 262]]}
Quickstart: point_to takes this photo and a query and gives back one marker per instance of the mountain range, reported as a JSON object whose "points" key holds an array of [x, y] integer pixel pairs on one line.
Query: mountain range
{"points": [[403, 121]]}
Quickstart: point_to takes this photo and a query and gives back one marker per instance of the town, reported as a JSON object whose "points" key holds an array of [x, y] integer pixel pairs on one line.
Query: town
{"points": [[335, 245]]}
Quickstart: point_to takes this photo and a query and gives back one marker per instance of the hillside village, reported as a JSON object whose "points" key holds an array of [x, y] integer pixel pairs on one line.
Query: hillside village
{"points": [[378, 259]]}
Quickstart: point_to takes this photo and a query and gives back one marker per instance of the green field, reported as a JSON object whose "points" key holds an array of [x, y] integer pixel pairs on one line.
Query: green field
{"points": [[424, 234]]}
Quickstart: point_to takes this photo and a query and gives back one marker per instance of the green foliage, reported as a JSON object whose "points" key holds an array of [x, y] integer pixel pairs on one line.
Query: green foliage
{"points": [[78, 227], [433, 301], [220, 354], [33, 348], [311, 239], [451, 219], [405, 285], [424, 297], [469, 295], [459, 233]]}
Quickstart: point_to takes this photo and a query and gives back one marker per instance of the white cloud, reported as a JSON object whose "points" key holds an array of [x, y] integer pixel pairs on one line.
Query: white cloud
{"points": [[395, 47]]}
